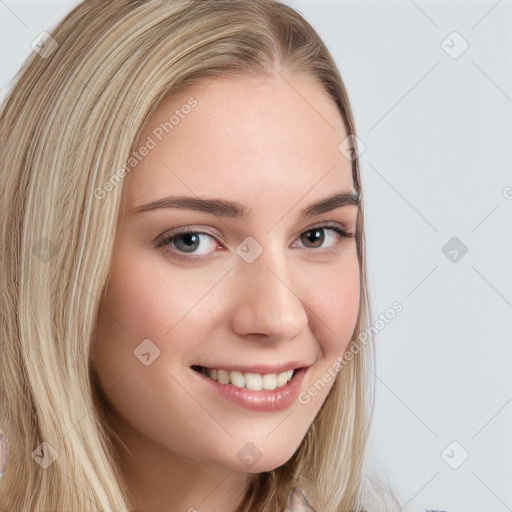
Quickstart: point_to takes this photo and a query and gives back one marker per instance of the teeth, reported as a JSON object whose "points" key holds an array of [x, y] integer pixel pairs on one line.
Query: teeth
{"points": [[251, 381], [237, 379], [269, 381], [222, 377], [281, 379]]}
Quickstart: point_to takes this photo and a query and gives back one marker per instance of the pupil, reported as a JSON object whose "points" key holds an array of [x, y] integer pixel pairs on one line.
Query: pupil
{"points": [[316, 237], [187, 242]]}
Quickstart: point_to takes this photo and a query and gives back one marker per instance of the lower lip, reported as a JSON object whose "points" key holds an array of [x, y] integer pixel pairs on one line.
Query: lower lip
{"points": [[265, 400]]}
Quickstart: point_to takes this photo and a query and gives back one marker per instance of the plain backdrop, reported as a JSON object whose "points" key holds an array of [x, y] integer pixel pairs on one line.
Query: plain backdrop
{"points": [[431, 88]]}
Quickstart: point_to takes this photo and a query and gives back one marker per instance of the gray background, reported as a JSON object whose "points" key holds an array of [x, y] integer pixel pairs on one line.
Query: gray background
{"points": [[436, 125]]}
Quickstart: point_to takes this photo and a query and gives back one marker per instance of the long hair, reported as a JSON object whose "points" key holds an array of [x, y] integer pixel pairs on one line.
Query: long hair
{"points": [[72, 119]]}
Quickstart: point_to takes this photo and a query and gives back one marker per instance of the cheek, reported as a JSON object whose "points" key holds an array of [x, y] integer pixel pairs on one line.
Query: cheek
{"points": [[131, 312], [335, 310], [148, 299], [335, 304], [139, 305], [145, 300]]}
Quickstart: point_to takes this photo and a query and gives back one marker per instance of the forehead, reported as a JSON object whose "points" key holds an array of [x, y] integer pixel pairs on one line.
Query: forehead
{"points": [[274, 139]]}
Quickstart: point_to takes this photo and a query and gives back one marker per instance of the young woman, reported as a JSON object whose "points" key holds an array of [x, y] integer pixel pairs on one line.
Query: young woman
{"points": [[185, 303]]}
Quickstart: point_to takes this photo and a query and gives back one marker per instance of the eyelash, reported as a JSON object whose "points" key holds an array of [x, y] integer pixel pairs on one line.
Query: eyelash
{"points": [[167, 238]]}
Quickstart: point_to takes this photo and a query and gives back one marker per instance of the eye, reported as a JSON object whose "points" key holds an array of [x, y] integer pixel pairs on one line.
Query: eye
{"points": [[189, 242], [323, 236]]}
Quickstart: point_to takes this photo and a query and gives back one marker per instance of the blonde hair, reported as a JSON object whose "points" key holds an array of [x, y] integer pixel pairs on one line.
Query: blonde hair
{"points": [[71, 119]]}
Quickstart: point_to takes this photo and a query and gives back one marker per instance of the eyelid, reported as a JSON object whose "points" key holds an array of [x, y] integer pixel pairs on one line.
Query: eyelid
{"points": [[199, 229], [189, 229], [330, 224]]}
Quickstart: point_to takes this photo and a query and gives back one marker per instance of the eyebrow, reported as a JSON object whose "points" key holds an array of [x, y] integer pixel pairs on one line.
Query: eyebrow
{"points": [[237, 210]]}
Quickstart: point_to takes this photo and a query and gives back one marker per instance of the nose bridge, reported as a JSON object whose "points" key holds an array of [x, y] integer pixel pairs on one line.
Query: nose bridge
{"points": [[269, 302]]}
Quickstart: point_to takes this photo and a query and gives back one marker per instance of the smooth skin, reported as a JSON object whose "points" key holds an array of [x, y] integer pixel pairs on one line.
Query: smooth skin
{"points": [[271, 144]]}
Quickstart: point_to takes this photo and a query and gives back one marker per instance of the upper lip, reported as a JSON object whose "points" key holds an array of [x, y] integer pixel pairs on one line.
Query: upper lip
{"points": [[259, 368]]}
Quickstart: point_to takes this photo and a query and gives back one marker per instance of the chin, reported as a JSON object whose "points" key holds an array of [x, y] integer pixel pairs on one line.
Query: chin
{"points": [[261, 464]]}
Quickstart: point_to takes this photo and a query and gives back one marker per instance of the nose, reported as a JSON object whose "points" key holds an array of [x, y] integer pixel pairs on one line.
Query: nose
{"points": [[265, 301]]}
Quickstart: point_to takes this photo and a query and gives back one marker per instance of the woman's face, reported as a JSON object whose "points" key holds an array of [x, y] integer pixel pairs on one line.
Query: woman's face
{"points": [[258, 285]]}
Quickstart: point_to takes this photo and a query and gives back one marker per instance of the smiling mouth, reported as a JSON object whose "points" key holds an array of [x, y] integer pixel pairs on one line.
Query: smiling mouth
{"points": [[247, 380]]}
